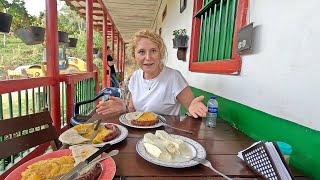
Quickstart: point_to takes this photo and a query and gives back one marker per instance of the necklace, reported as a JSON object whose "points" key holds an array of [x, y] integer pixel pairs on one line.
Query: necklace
{"points": [[149, 84]]}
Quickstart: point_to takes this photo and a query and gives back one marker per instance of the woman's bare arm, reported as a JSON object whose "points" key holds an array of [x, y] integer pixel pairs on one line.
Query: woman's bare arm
{"points": [[194, 105]]}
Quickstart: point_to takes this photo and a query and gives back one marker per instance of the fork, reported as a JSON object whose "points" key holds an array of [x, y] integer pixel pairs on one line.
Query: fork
{"points": [[172, 127], [208, 164]]}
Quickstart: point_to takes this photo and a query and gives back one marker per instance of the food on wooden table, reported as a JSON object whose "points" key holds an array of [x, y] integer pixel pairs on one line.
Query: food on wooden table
{"points": [[163, 146], [84, 132], [49, 168], [92, 174], [145, 119], [55, 167], [82, 152]]}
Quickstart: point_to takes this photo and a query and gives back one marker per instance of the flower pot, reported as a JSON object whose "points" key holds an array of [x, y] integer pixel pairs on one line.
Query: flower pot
{"points": [[63, 37], [95, 50], [72, 42], [5, 22], [180, 41], [31, 35]]}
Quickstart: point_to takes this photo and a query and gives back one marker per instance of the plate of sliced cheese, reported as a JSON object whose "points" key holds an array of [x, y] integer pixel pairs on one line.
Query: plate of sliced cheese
{"points": [[143, 120], [170, 150], [83, 133]]}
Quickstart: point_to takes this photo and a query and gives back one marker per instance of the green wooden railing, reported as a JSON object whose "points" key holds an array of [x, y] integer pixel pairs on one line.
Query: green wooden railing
{"points": [[217, 26], [85, 90], [21, 103]]}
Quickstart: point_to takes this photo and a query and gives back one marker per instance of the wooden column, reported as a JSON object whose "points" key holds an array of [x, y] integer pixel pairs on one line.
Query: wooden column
{"points": [[118, 57], [112, 33], [105, 66], [124, 56], [89, 29], [52, 61]]}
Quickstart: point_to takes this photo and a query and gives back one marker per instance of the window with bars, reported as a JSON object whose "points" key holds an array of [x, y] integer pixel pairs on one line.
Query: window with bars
{"points": [[213, 38]]}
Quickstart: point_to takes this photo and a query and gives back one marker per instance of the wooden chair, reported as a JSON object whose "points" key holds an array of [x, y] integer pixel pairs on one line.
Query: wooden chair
{"points": [[21, 133]]}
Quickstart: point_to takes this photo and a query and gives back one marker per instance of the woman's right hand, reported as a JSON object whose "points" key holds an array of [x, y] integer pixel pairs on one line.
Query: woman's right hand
{"points": [[111, 106]]}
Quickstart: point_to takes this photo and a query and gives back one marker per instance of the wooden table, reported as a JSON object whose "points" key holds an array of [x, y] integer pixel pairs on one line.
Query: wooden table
{"points": [[221, 143]]}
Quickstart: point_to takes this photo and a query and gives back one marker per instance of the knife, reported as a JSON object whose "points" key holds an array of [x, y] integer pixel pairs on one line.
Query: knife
{"points": [[77, 169], [95, 130]]}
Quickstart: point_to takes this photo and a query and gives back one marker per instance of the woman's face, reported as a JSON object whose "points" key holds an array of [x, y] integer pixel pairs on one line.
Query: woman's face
{"points": [[147, 54]]}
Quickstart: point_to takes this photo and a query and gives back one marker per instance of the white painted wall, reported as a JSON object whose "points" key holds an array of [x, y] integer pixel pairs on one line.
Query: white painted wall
{"points": [[282, 77]]}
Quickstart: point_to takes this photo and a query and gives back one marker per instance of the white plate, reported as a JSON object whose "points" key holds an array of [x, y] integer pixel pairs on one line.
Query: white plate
{"points": [[125, 119], [123, 134], [196, 148], [121, 137]]}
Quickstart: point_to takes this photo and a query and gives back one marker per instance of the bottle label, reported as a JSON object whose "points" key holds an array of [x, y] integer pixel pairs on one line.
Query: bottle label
{"points": [[212, 109]]}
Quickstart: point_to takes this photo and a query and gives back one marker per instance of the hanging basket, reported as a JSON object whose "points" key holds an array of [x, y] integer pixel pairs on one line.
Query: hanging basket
{"points": [[63, 37], [180, 41], [95, 50], [31, 35], [5, 22], [72, 42]]}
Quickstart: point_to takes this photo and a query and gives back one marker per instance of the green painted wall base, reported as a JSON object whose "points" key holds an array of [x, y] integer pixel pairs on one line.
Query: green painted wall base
{"points": [[262, 126]]}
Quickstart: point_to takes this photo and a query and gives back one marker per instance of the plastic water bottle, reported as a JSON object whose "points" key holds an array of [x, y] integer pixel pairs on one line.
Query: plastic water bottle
{"points": [[211, 119]]}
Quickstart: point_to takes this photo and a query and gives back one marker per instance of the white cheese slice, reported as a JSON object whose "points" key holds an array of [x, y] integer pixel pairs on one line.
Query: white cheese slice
{"points": [[152, 150]]}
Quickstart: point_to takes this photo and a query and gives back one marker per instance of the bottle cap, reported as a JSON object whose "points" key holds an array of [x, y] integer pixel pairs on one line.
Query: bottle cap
{"points": [[213, 97], [285, 148]]}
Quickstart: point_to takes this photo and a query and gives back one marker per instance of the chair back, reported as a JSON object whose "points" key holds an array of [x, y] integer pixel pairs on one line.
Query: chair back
{"points": [[21, 133]]}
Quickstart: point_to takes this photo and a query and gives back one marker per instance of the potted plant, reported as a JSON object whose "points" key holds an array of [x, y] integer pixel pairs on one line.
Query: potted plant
{"points": [[180, 39], [31, 35], [72, 42], [5, 22], [63, 37]]}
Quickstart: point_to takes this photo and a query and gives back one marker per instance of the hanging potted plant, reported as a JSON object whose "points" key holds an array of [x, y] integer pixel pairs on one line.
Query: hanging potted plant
{"points": [[5, 22], [63, 37], [180, 39], [72, 42], [31, 35], [5, 19]]}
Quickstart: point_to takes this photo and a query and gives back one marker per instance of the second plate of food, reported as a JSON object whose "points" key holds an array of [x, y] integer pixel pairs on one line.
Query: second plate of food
{"points": [[142, 120], [107, 133]]}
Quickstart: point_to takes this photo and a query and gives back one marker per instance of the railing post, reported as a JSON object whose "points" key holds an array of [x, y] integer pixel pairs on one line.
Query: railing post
{"points": [[89, 29], [52, 61], [70, 100]]}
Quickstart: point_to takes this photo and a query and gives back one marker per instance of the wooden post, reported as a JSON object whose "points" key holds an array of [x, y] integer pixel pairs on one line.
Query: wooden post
{"points": [[104, 50], [52, 61], [89, 29]]}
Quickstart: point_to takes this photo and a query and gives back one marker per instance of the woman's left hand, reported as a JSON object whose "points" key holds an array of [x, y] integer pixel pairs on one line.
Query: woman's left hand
{"points": [[197, 108], [113, 105]]}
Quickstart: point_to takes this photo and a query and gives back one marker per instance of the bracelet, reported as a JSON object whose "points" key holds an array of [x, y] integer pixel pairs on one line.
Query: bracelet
{"points": [[127, 109]]}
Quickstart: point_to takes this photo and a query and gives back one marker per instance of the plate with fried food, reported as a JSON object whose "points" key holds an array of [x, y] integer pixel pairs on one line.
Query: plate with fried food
{"points": [[85, 134], [54, 164], [143, 120]]}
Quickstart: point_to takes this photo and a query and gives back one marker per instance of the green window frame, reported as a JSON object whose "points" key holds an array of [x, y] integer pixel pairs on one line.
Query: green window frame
{"points": [[214, 27]]}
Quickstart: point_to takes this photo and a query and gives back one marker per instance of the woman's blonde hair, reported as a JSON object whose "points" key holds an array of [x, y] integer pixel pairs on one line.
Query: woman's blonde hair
{"points": [[154, 37]]}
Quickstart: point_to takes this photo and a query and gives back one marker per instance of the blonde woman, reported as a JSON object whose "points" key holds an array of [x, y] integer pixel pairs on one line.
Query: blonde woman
{"points": [[154, 87]]}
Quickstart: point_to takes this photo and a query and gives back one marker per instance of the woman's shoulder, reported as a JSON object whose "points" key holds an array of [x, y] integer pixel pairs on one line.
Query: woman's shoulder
{"points": [[136, 74], [169, 70]]}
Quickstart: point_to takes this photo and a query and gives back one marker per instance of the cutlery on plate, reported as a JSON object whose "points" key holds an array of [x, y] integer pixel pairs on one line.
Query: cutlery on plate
{"points": [[208, 164], [95, 129], [78, 168], [172, 127], [110, 154]]}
